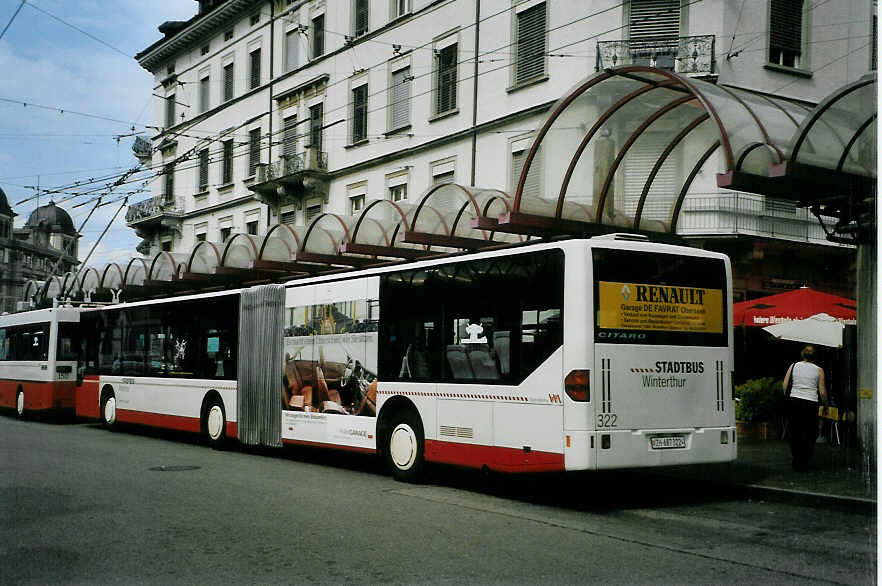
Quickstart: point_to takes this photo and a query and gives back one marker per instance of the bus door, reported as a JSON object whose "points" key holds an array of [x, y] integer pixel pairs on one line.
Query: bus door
{"points": [[662, 360]]}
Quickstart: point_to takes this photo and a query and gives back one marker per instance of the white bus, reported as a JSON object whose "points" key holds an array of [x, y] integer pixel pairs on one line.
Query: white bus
{"points": [[580, 354], [38, 360]]}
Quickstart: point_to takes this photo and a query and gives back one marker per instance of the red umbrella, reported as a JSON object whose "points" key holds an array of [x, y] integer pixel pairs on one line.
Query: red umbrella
{"points": [[797, 304]]}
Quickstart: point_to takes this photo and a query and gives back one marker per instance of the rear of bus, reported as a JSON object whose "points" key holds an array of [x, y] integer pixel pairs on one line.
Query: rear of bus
{"points": [[662, 355]]}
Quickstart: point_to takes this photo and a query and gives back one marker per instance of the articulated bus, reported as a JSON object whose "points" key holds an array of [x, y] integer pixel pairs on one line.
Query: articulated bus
{"points": [[580, 354], [38, 360]]}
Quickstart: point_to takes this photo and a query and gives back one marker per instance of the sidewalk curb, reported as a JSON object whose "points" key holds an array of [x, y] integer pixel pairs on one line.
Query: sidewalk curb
{"points": [[812, 499]]}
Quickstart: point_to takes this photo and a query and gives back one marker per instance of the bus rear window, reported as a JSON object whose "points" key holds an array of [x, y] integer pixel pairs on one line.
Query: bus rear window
{"points": [[659, 298]]}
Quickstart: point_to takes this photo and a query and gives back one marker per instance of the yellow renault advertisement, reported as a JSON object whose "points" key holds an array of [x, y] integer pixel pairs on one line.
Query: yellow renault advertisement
{"points": [[648, 307]]}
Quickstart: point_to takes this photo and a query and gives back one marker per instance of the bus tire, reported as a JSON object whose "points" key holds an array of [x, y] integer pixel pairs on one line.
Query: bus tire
{"points": [[214, 423], [19, 404], [405, 446], [108, 409]]}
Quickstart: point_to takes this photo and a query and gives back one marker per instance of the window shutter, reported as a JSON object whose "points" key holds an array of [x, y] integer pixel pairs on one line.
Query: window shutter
{"points": [[170, 110], [291, 50], [228, 161], [654, 19], [359, 113], [255, 68], [640, 160], [361, 17], [204, 94], [170, 182], [315, 127], [446, 91], [203, 169], [312, 212], [253, 151], [785, 25], [288, 217], [532, 185], [289, 147], [228, 82], [400, 98], [530, 44], [318, 36]]}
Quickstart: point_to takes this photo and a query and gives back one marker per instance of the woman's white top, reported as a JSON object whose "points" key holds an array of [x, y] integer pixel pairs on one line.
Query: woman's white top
{"points": [[806, 378]]}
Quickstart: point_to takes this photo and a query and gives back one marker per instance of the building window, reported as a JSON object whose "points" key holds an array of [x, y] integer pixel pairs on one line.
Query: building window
{"points": [[360, 17], [166, 245], [445, 82], [204, 94], [530, 48], [398, 192], [399, 98], [253, 151], [312, 212], [200, 237], [255, 18], [169, 182], [399, 8], [785, 32], [203, 169], [170, 110], [653, 30], [228, 82], [204, 50], [532, 183], [255, 68], [251, 227], [356, 204], [225, 233], [315, 126], [227, 171], [289, 217], [318, 36], [289, 142], [228, 36], [359, 114], [291, 39]]}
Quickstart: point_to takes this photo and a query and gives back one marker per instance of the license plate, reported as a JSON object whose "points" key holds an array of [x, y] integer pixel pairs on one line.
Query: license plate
{"points": [[667, 442]]}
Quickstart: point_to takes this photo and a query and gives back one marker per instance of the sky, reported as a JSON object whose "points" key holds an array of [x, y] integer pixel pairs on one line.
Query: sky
{"points": [[53, 67]]}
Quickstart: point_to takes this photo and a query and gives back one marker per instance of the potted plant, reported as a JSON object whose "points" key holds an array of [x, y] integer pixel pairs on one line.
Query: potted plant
{"points": [[758, 403]]}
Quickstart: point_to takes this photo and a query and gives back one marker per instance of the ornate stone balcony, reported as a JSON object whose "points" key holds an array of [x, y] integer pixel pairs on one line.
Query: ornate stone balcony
{"points": [[292, 178], [155, 213], [688, 55]]}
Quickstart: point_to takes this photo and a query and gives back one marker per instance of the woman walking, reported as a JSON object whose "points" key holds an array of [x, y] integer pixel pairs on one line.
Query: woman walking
{"points": [[806, 382]]}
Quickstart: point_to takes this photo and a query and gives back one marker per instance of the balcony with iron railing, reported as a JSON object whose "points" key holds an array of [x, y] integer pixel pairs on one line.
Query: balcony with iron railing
{"points": [[291, 176], [693, 56], [154, 209], [746, 214]]}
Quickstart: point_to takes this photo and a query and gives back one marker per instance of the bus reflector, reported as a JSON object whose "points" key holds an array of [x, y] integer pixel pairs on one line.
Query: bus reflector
{"points": [[577, 385]]}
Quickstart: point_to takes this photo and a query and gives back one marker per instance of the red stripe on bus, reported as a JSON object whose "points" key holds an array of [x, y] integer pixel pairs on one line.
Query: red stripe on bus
{"points": [[87, 398], [39, 395], [332, 446], [175, 422], [497, 458]]}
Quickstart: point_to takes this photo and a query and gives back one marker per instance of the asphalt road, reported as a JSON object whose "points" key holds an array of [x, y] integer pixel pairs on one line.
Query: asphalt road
{"points": [[79, 504]]}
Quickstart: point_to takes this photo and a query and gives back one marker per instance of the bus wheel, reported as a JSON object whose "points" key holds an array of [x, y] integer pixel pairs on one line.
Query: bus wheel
{"points": [[405, 448], [108, 409], [19, 404], [215, 423]]}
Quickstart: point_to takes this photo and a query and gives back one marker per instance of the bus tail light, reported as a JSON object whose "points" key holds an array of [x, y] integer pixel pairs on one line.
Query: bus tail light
{"points": [[577, 385]]}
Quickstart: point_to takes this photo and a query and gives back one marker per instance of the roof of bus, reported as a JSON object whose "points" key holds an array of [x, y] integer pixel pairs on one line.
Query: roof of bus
{"points": [[62, 314]]}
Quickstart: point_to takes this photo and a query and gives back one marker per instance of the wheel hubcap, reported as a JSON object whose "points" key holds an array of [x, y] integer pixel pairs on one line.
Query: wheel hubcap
{"points": [[215, 422], [403, 446], [110, 410]]}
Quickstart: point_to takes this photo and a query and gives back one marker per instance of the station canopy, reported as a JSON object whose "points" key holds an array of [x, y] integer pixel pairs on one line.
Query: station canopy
{"points": [[619, 152]]}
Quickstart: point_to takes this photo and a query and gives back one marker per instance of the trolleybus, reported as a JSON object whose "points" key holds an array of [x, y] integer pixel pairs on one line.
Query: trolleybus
{"points": [[38, 360], [599, 353]]}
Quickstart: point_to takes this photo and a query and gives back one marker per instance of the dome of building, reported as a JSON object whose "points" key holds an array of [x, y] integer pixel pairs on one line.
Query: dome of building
{"points": [[5, 210], [51, 218]]}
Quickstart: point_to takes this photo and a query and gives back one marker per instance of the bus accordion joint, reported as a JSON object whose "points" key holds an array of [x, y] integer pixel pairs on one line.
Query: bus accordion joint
{"points": [[577, 385]]}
